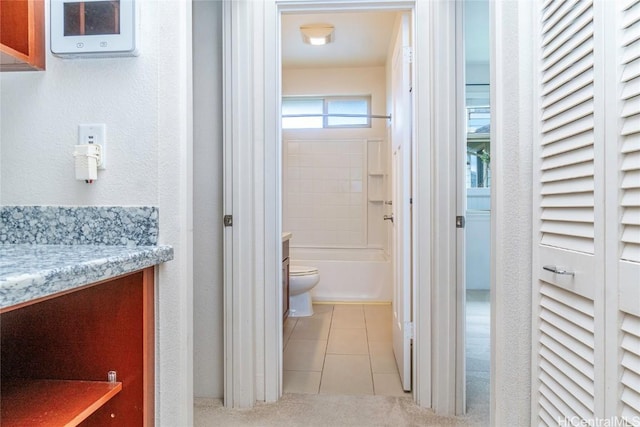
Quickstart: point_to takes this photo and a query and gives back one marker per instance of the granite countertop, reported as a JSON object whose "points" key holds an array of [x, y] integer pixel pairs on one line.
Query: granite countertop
{"points": [[29, 272], [32, 271]]}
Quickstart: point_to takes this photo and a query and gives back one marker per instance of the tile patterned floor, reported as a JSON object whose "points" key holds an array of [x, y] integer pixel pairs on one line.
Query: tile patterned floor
{"points": [[478, 350], [346, 349], [341, 349]]}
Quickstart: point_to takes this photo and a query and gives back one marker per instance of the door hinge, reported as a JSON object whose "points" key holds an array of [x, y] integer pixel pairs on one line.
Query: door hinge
{"points": [[227, 220], [408, 330], [407, 51], [460, 222]]}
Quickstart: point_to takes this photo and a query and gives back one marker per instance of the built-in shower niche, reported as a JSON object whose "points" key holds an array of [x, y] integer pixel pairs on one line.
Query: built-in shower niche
{"points": [[378, 195]]}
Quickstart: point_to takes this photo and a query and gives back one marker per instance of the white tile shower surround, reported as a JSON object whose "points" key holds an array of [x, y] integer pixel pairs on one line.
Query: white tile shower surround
{"points": [[325, 191]]}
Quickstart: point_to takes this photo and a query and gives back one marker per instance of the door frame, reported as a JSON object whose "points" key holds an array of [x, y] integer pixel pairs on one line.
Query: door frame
{"points": [[461, 210], [252, 187]]}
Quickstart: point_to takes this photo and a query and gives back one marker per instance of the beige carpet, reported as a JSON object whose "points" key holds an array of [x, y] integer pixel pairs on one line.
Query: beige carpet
{"points": [[329, 410]]}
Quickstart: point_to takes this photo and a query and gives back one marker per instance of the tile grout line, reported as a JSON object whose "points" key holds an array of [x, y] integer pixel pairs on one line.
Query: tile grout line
{"points": [[366, 331], [324, 359]]}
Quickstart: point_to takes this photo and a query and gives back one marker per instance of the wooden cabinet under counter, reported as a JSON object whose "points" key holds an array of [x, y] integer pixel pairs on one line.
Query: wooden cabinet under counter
{"points": [[22, 35], [285, 279], [55, 355]]}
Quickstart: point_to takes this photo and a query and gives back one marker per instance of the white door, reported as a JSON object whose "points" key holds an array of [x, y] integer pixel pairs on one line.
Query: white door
{"points": [[623, 207], [587, 234], [401, 201], [568, 267]]}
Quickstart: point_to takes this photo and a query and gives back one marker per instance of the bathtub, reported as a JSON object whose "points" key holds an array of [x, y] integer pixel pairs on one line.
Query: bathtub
{"points": [[348, 275]]}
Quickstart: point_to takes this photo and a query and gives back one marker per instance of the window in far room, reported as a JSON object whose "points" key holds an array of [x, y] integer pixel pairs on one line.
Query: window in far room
{"points": [[326, 112]]}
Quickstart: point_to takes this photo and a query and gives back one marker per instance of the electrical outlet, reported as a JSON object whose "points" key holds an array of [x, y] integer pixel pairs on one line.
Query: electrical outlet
{"points": [[94, 134]]}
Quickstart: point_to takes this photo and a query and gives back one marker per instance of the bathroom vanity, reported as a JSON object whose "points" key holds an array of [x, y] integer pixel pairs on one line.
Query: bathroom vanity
{"points": [[77, 330]]}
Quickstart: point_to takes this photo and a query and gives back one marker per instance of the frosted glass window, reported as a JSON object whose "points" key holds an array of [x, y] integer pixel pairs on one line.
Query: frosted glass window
{"points": [[359, 106], [317, 113], [303, 106]]}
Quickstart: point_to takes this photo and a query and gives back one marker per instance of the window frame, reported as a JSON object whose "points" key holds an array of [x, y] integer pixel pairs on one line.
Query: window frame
{"points": [[325, 108]]}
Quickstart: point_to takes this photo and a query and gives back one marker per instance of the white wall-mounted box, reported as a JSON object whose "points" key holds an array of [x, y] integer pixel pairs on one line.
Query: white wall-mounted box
{"points": [[94, 28]]}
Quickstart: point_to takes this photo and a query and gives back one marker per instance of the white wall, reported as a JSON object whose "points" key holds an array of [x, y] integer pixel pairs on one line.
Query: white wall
{"points": [[207, 203], [511, 210], [146, 104]]}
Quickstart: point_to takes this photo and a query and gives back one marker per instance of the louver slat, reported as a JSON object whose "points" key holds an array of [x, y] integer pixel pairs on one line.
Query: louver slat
{"points": [[550, 360], [567, 120], [578, 127], [631, 399], [566, 392], [630, 366], [555, 401], [630, 135], [566, 41], [577, 215], [566, 354], [553, 95], [631, 325], [574, 64], [556, 372], [567, 228], [567, 172], [631, 361], [562, 241], [576, 200], [555, 14], [550, 6], [582, 155], [548, 413], [564, 104], [579, 185], [578, 106]]}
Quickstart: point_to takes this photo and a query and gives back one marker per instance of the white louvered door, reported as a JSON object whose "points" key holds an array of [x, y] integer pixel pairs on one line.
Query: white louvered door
{"points": [[627, 215], [586, 347], [568, 294]]}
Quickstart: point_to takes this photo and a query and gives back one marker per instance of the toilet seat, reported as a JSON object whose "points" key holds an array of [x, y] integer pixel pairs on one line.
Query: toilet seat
{"points": [[300, 270]]}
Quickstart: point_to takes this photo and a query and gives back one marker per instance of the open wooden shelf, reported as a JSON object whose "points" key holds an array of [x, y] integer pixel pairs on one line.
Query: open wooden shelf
{"points": [[52, 402], [22, 35], [55, 353]]}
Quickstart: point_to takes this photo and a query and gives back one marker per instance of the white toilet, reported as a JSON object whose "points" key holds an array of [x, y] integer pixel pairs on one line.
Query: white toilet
{"points": [[301, 280]]}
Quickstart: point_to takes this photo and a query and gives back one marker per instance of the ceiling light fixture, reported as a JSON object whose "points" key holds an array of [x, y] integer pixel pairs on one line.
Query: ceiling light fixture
{"points": [[317, 34]]}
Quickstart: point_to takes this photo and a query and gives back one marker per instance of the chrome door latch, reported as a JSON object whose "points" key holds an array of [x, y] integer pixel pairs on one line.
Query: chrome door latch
{"points": [[558, 270], [227, 220], [459, 222]]}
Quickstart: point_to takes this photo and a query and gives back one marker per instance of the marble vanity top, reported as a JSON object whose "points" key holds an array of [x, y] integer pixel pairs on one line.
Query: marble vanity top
{"points": [[45, 250]]}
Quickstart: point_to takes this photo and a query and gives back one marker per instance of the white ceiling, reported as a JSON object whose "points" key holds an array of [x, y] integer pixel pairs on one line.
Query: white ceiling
{"points": [[361, 39]]}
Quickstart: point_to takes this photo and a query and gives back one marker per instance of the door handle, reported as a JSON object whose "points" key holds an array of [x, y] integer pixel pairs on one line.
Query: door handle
{"points": [[388, 218], [558, 270]]}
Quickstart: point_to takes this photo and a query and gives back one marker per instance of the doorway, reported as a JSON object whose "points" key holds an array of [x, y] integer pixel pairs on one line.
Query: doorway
{"points": [[253, 298], [475, 202], [344, 119]]}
